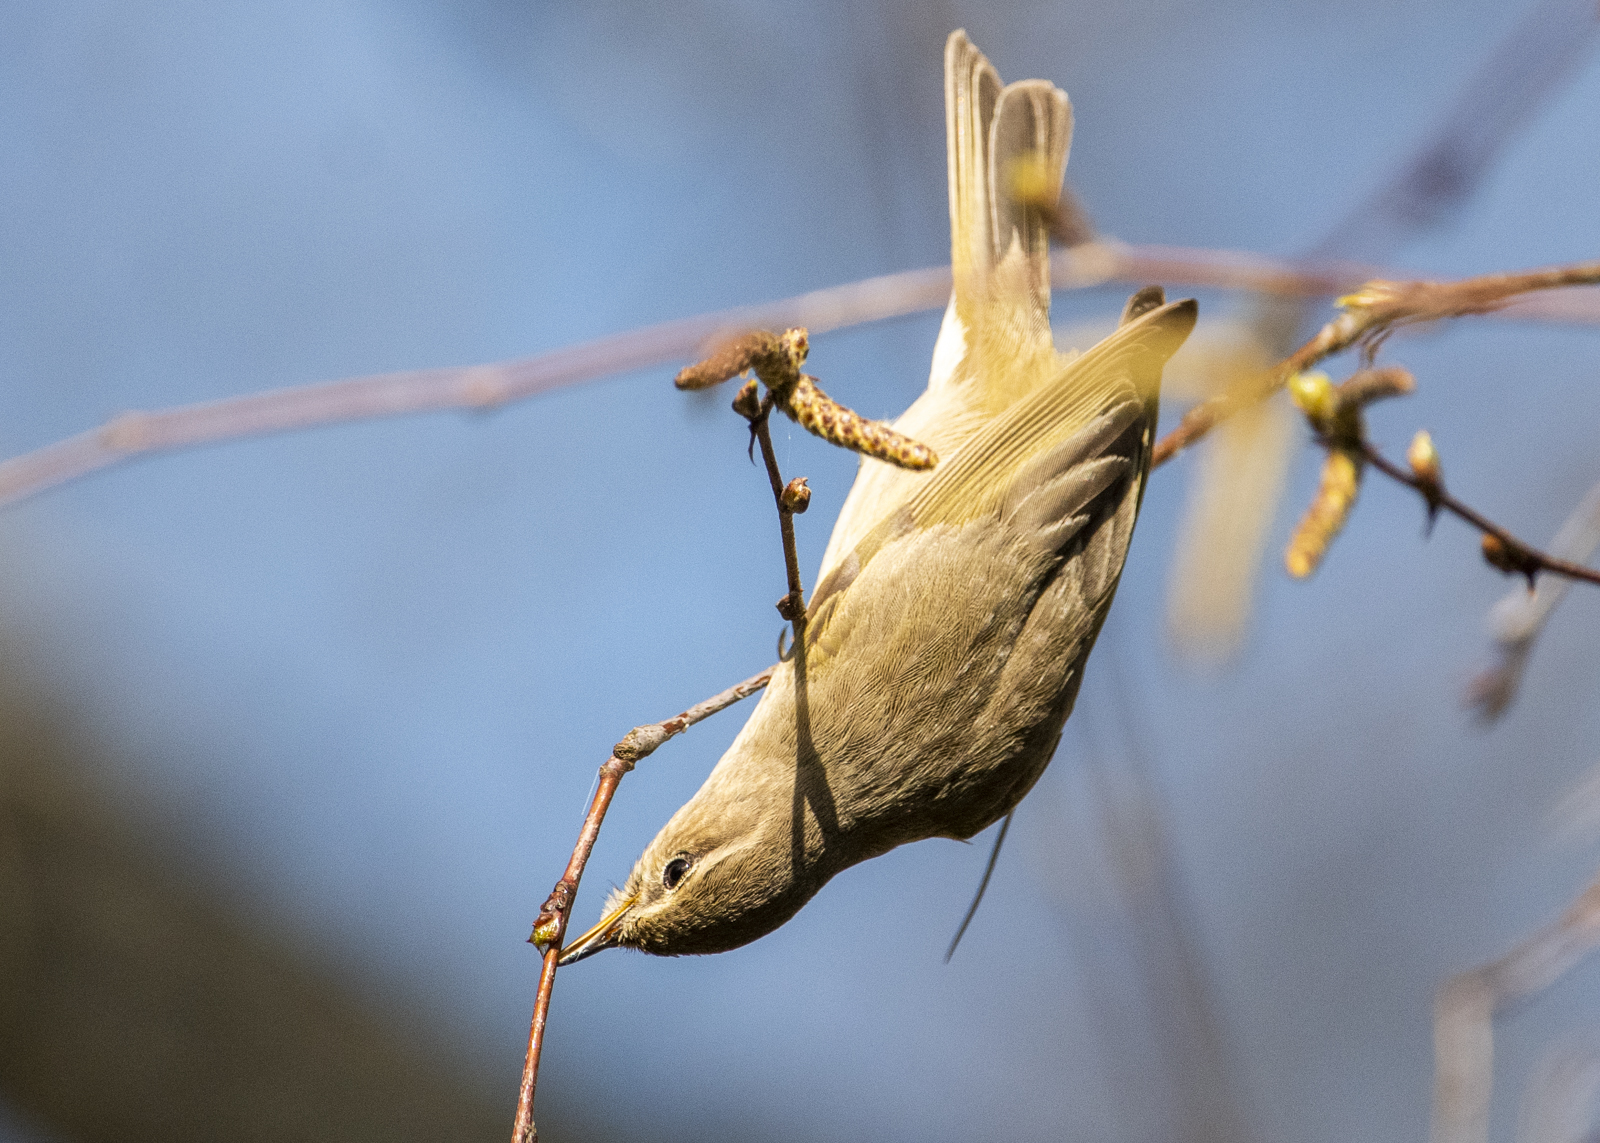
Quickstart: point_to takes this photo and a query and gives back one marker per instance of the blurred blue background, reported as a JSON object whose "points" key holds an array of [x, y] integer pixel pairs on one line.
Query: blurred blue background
{"points": [[360, 678]]}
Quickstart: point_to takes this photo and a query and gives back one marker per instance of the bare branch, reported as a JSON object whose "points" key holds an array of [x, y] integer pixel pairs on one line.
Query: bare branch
{"points": [[788, 500], [488, 386], [468, 387], [1518, 618], [550, 929], [1497, 101], [1500, 547], [1463, 1030], [1371, 314]]}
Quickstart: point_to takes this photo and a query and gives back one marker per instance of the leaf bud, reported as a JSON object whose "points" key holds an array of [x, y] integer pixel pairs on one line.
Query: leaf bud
{"points": [[1423, 457], [1314, 393], [797, 496]]}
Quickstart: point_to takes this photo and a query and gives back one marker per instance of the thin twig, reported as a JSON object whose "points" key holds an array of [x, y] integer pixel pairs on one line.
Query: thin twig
{"points": [[1512, 555], [793, 605], [1370, 315], [550, 929], [1519, 617], [479, 387]]}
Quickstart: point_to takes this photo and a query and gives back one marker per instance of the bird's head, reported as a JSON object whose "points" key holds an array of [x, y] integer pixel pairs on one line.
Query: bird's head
{"points": [[719, 875]]}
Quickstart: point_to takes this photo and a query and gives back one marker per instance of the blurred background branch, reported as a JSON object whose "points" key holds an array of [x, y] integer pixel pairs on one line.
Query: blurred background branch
{"points": [[483, 387], [1464, 1011], [1517, 619], [1237, 487]]}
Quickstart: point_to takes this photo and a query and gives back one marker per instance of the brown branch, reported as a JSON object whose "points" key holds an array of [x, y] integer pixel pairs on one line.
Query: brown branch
{"points": [[1519, 617], [550, 929], [1500, 547], [1336, 414], [795, 497], [489, 386], [1371, 314]]}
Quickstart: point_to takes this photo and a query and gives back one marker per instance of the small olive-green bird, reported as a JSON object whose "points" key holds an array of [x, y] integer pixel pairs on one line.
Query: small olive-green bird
{"points": [[947, 636]]}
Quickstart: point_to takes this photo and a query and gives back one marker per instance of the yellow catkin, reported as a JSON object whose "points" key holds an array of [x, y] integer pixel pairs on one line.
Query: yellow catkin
{"points": [[1341, 479], [816, 412]]}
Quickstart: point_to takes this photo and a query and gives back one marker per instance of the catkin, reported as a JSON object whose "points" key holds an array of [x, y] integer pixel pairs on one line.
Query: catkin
{"points": [[816, 412], [1341, 479]]}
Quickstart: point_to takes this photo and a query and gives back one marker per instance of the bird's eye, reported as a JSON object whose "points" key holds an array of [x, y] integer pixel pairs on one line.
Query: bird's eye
{"points": [[673, 873]]}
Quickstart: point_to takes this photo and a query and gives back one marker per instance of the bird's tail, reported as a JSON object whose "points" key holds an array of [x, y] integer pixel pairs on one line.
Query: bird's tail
{"points": [[1008, 153]]}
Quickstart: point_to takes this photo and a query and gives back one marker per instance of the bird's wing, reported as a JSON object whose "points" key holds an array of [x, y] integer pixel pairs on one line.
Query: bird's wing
{"points": [[1024, 452], [1126, 365]]}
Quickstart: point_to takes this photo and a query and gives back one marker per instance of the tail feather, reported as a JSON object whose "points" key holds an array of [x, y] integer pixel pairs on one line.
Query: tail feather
{"points": [[1032, 125], [999, 247], [971, 91]]}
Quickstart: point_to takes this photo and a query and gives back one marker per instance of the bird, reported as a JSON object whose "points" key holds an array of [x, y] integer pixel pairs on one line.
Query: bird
{"points": [[955, 608]]}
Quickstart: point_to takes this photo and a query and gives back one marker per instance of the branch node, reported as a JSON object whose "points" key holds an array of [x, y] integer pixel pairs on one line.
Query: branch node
{"points": [[796, 496], [640, 742], [747, 401], [548, 926], [1512, 558]]}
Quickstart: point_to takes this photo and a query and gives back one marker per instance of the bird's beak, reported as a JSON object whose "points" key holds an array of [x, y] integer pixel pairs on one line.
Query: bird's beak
{"points": [[602, 936]]}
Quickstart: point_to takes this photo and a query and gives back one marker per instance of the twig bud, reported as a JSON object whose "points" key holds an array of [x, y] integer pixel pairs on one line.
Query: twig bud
{"points": [[796, 496], [746, 402], [1424, 461], [1511, 558], [791, 606], [1330, 508], [1315, 395], [1423, 457], [640, 742], [544, 934], [1370, 296]]}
